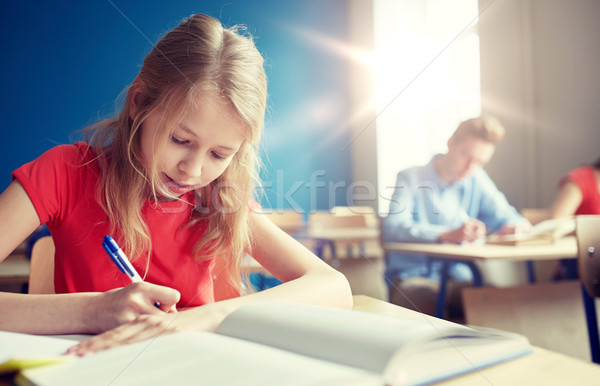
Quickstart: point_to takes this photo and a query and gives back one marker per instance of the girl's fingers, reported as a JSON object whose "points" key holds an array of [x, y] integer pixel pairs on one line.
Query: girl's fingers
{"points": [[145, 327], [166, 297]]}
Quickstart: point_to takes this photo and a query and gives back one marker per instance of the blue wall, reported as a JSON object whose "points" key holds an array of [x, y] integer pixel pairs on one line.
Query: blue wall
{"points": [[64, 65]]}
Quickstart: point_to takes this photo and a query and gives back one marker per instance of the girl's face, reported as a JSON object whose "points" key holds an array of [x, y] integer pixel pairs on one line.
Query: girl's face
{"points": [[199, 149]]}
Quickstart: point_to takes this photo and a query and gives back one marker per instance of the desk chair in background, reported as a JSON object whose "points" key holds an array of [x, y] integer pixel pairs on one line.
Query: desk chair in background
{"points": [[289, 220], [348, 239], [367, 212], [587, 231], [324, 221]]}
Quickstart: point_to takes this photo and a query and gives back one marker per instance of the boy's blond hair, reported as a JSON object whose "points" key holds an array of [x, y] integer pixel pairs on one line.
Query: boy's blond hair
{"points": [[486, 128]]}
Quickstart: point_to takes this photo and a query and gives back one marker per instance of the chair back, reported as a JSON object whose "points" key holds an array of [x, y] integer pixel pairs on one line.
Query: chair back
{"points": [[321, 220], [367, 212], [290, 221], [587, 231]]}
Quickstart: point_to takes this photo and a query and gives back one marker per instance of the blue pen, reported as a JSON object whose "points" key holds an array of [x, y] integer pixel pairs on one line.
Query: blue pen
{"points": [[121, 261]]}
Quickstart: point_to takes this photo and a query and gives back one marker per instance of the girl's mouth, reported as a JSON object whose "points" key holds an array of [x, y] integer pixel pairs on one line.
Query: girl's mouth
{"points": [[176, 187]]}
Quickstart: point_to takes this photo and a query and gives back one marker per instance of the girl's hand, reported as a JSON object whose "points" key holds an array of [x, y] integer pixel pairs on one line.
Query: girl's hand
{"points": [[123, 305], [142, 327], [148, 326]]}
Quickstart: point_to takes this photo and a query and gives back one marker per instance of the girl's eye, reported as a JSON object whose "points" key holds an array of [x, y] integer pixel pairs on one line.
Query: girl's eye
{"points": [[218, 156], [178, 141]]}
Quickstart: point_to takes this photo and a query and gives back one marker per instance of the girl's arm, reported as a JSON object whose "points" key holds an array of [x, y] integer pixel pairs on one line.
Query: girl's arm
{"points": [[18, 218], [568, 200], [66, 313], [306, 278]]}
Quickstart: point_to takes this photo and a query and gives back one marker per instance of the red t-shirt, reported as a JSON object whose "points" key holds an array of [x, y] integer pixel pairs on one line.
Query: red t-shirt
{"points": [[61, 184], [585, 179]]}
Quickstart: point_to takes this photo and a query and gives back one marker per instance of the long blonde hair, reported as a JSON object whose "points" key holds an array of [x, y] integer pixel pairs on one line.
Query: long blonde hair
{"points": [[198, 56]]}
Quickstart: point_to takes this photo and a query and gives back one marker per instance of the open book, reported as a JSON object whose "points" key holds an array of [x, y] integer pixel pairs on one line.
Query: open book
{"points": [[274, 343], [544, 232], [22, 351]]}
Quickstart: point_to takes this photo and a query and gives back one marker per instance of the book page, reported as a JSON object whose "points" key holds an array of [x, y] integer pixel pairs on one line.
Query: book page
{"points": [[353, 338], [197, 358], [557, 227], [18, 351], [452, 356], [274, 343], [545, 232]]}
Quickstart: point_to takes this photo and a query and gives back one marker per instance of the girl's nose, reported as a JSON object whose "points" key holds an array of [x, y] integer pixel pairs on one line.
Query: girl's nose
{"points": [[191, 165]]}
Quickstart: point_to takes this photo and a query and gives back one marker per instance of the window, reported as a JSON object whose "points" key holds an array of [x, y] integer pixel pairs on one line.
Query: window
{"points": [[427, 80]]}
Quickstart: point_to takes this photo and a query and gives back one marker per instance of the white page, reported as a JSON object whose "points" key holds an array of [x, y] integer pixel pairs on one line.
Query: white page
{"points": [[353, 338], [198, 358], [13, 345], [355, 348]]}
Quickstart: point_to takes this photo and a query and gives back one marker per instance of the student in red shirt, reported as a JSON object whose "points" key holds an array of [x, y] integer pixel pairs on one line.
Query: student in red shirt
{"points": [[579, 192], [170, 178]]}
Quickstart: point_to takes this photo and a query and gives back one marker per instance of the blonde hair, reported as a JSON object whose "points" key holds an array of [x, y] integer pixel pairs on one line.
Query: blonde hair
{"points": [[198, 56], [485, 127]]}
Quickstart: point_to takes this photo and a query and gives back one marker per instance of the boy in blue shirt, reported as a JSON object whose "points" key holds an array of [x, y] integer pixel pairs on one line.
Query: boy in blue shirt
{"points": [[449, 200]]}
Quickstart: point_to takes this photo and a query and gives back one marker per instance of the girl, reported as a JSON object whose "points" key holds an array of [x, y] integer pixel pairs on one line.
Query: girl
{"points": [[170, 178], [579, 192]]}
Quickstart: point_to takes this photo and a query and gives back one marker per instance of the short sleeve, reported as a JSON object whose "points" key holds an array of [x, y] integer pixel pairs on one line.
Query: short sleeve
{"points": [[50, 180], [583, 177]]}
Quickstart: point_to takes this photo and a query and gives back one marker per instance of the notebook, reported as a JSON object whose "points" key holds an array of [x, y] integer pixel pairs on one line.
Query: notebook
{"points": [[274, 343], [545, 232]]}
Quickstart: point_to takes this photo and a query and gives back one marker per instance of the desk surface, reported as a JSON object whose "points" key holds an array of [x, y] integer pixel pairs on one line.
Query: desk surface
{"points": [[542, 367], [562, 248], [356, 234]]}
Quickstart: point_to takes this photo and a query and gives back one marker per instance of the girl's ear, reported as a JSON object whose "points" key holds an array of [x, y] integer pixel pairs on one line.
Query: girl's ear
{"points": [[136, 102]]}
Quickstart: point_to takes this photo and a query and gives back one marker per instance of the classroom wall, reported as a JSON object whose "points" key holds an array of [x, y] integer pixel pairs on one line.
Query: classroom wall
{"points": [[64, 65], [540, 68], [540, 75]]}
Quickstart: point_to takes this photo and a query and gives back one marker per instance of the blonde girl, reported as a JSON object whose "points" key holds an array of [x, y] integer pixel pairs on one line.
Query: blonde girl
{"points": [[170, 178]]}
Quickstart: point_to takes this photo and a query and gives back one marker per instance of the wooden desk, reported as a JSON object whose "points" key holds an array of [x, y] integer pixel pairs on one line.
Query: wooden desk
{"points": [[542, 367], [355, 239], [471, 253], [562, 248], [342, 234]]}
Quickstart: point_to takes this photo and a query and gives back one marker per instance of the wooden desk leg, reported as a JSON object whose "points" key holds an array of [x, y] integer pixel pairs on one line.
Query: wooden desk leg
{"points": [[440, 306], [592, 324]]}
